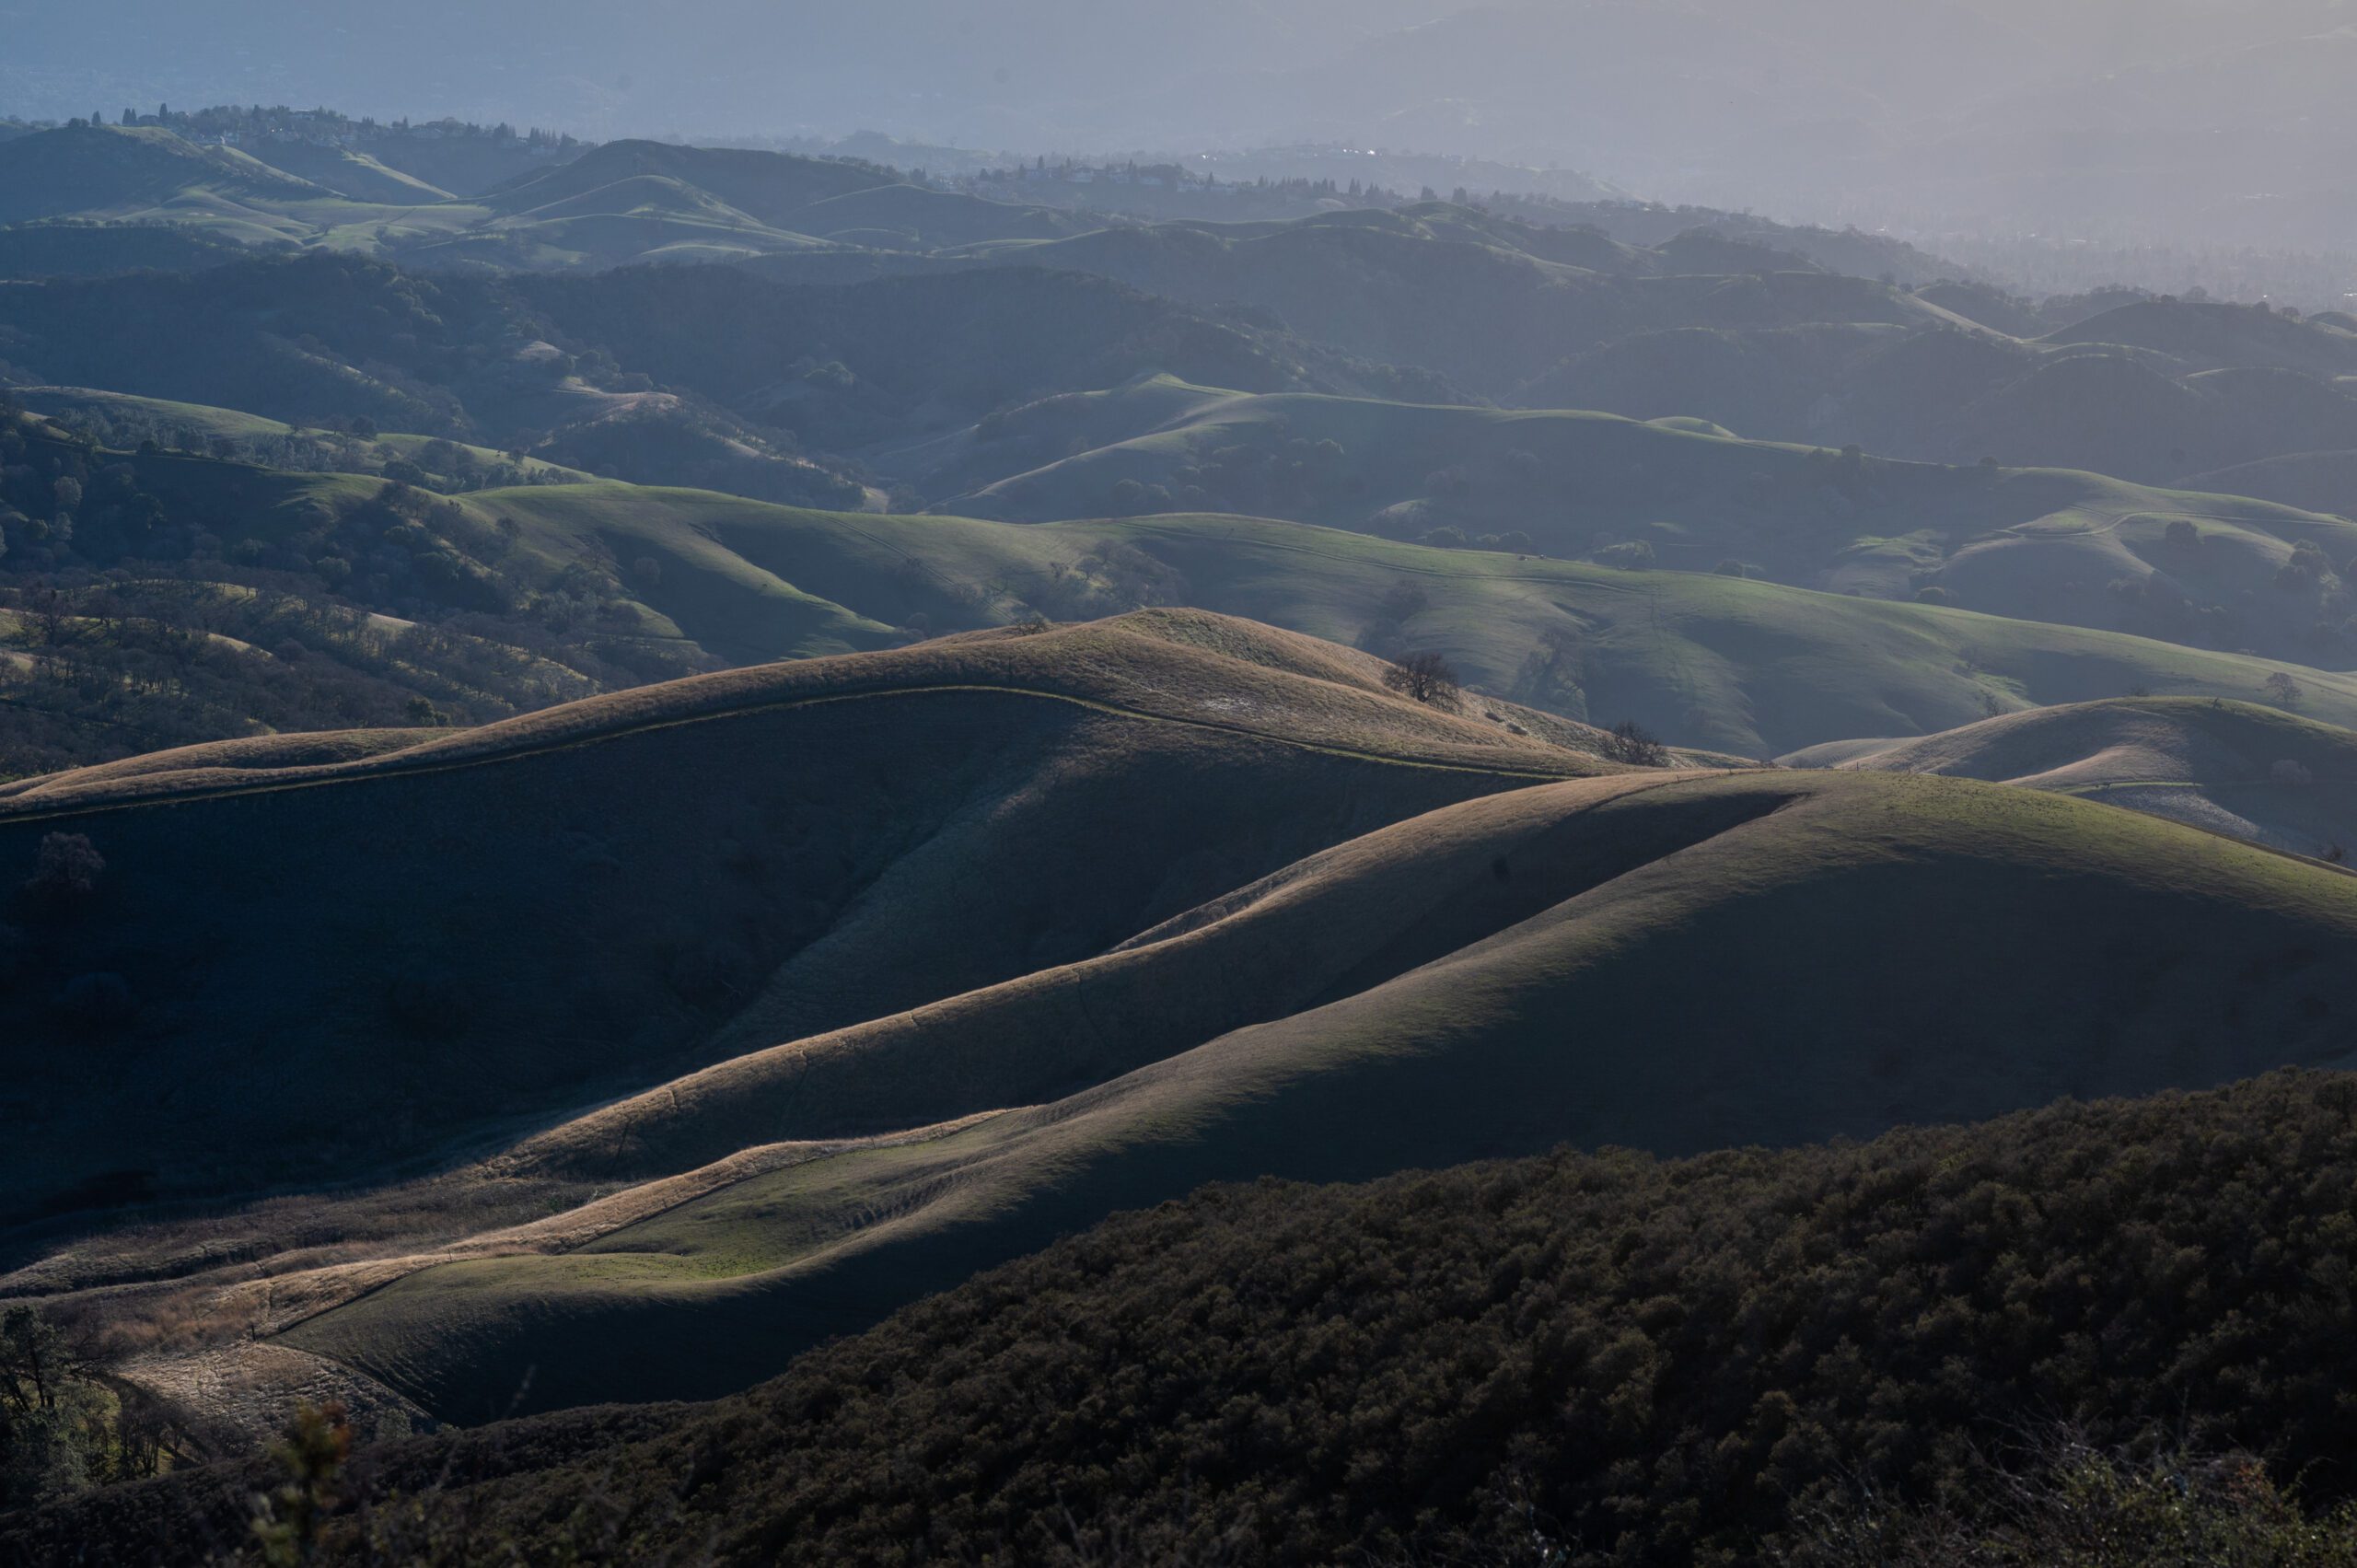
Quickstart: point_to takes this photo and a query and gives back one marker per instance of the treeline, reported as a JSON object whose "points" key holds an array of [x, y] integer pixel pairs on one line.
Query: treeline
{"points": [[1580, 1359], [324, 124], [336, 445]]}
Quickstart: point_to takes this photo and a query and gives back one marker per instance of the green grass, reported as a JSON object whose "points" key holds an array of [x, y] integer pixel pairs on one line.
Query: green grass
{"points": [[1721, 664], [619, 204], [2040, 544], [1741, 666]]}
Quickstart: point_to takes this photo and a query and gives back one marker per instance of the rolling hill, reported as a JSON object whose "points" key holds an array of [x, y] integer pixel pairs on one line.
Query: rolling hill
{"points": [[730, 368], [1487, 302], [2152, 391], [1460, 986], [2069, 548], [94, 170], [877, 796], [2254, 772], [629, 201], [1719, 662], [612, 585]]}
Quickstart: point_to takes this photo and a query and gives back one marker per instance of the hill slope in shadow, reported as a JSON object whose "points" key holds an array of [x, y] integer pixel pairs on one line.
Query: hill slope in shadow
{"points": [[313, 959], [1679, 964]]}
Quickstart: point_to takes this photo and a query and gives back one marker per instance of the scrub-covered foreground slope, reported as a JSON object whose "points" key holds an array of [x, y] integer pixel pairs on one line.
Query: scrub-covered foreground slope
{"points": [[1607, 1358]]}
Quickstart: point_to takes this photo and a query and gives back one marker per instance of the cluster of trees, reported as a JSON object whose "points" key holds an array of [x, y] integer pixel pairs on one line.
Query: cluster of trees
{"points": [[129, 623], [1579, 1359], [99, 666], [66, 1423], [65, 499], [337, 446], [60, 1426]]}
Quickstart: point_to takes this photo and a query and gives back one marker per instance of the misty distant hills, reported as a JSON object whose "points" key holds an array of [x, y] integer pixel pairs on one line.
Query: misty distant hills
{"points": [[2180, 120], [2157, 391]]}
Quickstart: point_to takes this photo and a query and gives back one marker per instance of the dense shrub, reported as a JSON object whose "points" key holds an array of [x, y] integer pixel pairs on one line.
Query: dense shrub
{"points": [[66, 868], [1628, 1360], [1423, 678], [2072, 1506], [96, 1004]]}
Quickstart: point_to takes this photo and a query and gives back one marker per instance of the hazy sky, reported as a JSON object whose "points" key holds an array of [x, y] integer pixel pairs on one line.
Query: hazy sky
{"points": [[2180, 113]]}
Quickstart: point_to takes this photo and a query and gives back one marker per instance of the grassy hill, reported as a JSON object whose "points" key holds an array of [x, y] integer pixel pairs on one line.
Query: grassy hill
{"points": [[769, 187], [1479, 300], [621, 583], [120, 421], [1458, 987], [1720, 662], [619, 204], [2223, 336], [102, 169], [2069, 548], [2256, 772], [725, 363], [2315, 482], [1457, 1365], [686, 847], [357, 175], [2180, 390]]}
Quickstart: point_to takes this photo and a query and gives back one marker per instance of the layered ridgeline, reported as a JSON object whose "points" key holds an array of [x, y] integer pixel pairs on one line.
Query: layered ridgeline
{"points": [[702, 375], [2254, 773], [1728, 321], [940, 992], [1030, 396], [1744, 1356], [500, 922], [623, 203], [305, 601], [832, 218], [2072, 548], [2154, 390]]}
